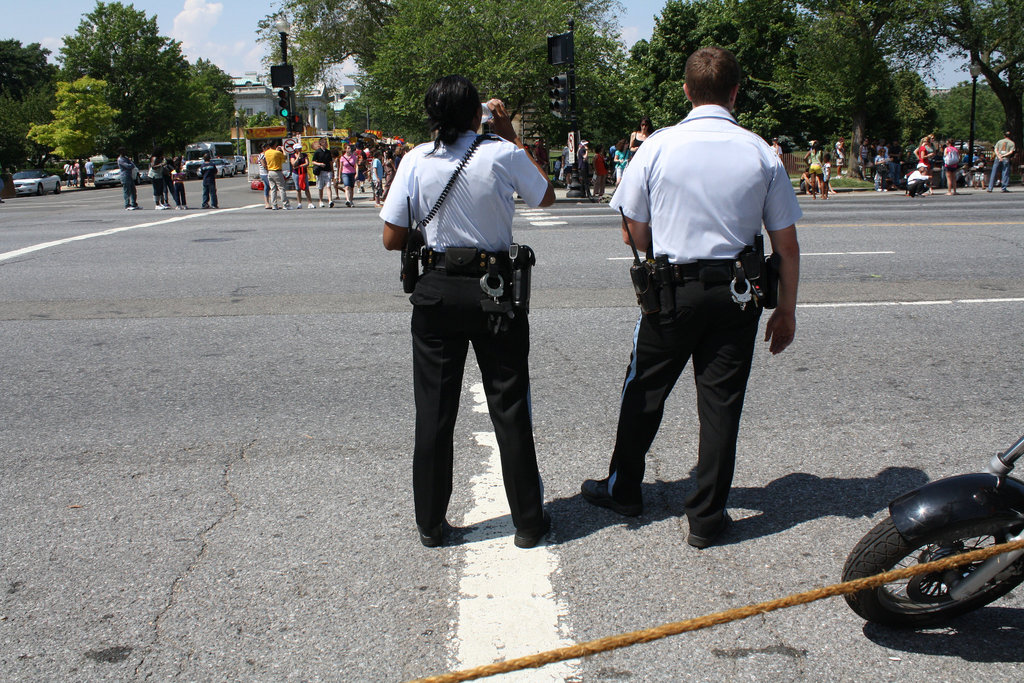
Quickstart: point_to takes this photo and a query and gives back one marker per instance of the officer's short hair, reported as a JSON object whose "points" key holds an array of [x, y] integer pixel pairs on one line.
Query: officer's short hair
{"points": [[711, 74]]}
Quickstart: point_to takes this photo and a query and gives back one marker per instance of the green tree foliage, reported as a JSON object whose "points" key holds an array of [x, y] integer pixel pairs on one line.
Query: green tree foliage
{"points": [[913, 108], [147, 77], [209, 109], [26, 96], [325, 33], [24, 68], [403, 45], [991, 34], [81, 115], [760, 33], [953, 114]]}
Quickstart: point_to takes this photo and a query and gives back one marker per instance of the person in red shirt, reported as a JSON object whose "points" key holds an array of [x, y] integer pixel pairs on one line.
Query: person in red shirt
{"points": [[600, 172]]}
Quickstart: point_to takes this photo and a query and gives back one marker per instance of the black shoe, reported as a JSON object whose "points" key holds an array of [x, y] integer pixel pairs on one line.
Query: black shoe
{"points": [[705, 541], [432, 538], [528, 539], [595, 492]]}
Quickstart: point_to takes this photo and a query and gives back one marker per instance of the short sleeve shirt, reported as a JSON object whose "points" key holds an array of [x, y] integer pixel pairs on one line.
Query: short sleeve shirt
{"points": [[478, 210], [706, 186]]}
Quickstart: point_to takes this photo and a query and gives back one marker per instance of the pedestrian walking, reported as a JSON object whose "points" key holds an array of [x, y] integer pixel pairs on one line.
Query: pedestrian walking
{"points": [[697, 215]]}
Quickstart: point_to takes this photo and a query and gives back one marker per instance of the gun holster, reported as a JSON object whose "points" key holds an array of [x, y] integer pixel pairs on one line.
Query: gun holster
{"points": [[411, 254], [761, 272]]}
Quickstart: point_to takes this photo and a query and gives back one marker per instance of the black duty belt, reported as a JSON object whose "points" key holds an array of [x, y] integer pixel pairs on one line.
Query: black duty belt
{"points": [[710, 271], [463, 261]]}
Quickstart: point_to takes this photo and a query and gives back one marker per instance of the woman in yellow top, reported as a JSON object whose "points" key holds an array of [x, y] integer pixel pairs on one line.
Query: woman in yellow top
{"points": [[816, 182]]}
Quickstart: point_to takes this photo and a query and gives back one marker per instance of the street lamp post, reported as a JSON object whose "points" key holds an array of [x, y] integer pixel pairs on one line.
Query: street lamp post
{"points": [[975, 72], [283, 28], [238, 131]]}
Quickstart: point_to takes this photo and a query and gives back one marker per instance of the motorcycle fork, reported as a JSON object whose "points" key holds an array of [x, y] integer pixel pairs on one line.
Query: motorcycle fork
{"points": [[985, 572]]}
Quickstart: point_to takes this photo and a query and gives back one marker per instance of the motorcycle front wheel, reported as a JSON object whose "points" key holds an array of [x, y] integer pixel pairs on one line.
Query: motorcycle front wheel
{"points": [[924, 599]]}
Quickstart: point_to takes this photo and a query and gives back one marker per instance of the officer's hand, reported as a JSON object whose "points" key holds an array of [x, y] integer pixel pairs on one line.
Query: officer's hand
{"points": [[501, 123], [780, 330]]}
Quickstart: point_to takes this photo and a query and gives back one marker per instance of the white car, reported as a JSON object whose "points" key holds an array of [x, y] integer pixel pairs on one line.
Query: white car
{"points": [[224, 168], [36, 182], [110, 174]]}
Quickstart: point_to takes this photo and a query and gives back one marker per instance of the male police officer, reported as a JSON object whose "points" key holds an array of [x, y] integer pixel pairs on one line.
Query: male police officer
{"points": [[699, 192]]}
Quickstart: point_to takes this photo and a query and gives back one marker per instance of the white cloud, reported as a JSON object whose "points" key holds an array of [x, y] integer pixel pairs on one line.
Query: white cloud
{"points": [[193, 24]]}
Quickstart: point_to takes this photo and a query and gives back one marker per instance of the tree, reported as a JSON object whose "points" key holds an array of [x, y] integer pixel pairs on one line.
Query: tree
{"points": [[989, 33], [501, 47], [211, 109], [842, 62], [146, 75], [81, 115], [23, 68], [26, 96], [913, 108], [953, 113], [759, 32], [326, 33]]}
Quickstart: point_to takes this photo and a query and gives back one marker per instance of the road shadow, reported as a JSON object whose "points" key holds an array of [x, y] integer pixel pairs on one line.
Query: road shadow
{"points": [[781, 504], [987, 635]]}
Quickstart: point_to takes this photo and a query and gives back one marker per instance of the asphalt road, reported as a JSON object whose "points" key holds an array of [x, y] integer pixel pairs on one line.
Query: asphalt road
{"points": [[206, 426]]}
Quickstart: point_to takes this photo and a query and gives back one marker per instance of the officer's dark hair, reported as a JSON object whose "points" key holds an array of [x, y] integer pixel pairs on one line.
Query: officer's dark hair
{"points": [[451, 103], [711, 74]]}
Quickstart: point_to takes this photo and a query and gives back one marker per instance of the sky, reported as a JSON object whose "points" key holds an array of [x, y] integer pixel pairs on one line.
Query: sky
{"points": [[224, 32]]}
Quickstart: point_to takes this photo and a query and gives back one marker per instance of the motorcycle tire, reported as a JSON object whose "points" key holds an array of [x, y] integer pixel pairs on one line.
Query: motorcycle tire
{"points": [[922, 600]]}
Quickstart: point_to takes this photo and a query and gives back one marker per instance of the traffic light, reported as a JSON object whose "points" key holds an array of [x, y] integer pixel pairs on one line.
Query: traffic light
{"points": [[284, 103], [559, 94], [294, 122]]}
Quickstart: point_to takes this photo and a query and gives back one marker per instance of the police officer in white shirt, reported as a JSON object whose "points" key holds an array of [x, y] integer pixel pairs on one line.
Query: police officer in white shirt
{"points": [[449, 299], [699, 192]]}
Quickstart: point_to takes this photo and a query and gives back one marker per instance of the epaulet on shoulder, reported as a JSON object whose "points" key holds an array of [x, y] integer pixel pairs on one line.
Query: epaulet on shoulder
{"points": [[489, 136]]}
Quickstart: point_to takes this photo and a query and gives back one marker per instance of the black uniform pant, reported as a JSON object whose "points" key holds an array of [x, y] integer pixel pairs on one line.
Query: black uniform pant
{"points": [[707, 325], [446, 318]]}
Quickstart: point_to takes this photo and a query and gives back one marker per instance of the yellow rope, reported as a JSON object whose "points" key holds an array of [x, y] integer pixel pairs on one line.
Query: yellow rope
{"points": [[647, 635]]}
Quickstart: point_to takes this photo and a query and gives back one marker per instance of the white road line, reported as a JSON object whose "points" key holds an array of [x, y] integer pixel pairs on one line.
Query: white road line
{"points": [[937, 302], [113, 231], [809, 253], [542, 224], [507, 606], [845, 253]]}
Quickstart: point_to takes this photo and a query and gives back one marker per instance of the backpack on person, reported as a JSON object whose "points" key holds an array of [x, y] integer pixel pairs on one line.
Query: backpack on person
{"points": [[951, 158]]}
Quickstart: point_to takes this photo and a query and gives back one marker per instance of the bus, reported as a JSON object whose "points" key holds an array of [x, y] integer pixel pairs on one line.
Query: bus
{"points": [[194, 155]]}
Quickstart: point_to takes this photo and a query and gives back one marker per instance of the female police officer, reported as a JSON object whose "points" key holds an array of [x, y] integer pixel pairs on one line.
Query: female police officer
{"points": [[449, 299]]}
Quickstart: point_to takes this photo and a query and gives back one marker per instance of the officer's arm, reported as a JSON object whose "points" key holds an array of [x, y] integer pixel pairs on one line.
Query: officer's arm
{"points": [[641, 234], [394, 236], [781, 326], [501, 124]]}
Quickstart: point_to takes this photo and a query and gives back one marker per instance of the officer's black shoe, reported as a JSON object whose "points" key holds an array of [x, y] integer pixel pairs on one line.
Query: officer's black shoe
{"points": [[432, 538], [529, 538], [704, 541], [595, 492]]}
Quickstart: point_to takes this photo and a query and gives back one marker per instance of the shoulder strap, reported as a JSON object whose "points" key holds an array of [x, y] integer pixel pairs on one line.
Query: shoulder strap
{"points": [[451, 181]]}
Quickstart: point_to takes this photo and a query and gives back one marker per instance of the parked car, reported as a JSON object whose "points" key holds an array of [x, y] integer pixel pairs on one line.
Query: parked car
{"points": [[109, 174], [239, 163], [36, 181], [224, 168], [143, 173]]}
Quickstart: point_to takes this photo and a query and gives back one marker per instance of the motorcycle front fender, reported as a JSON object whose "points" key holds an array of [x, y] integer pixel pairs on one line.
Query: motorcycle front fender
{"points": [[953, 501]]}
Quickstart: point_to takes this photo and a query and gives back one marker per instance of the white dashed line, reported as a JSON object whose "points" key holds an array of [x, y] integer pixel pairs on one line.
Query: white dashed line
{"points": [[507, 605]]}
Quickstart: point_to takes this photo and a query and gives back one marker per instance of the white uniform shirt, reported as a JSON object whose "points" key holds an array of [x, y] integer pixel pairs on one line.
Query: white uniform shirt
{"points": [[478, 210], [706, 186]]}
